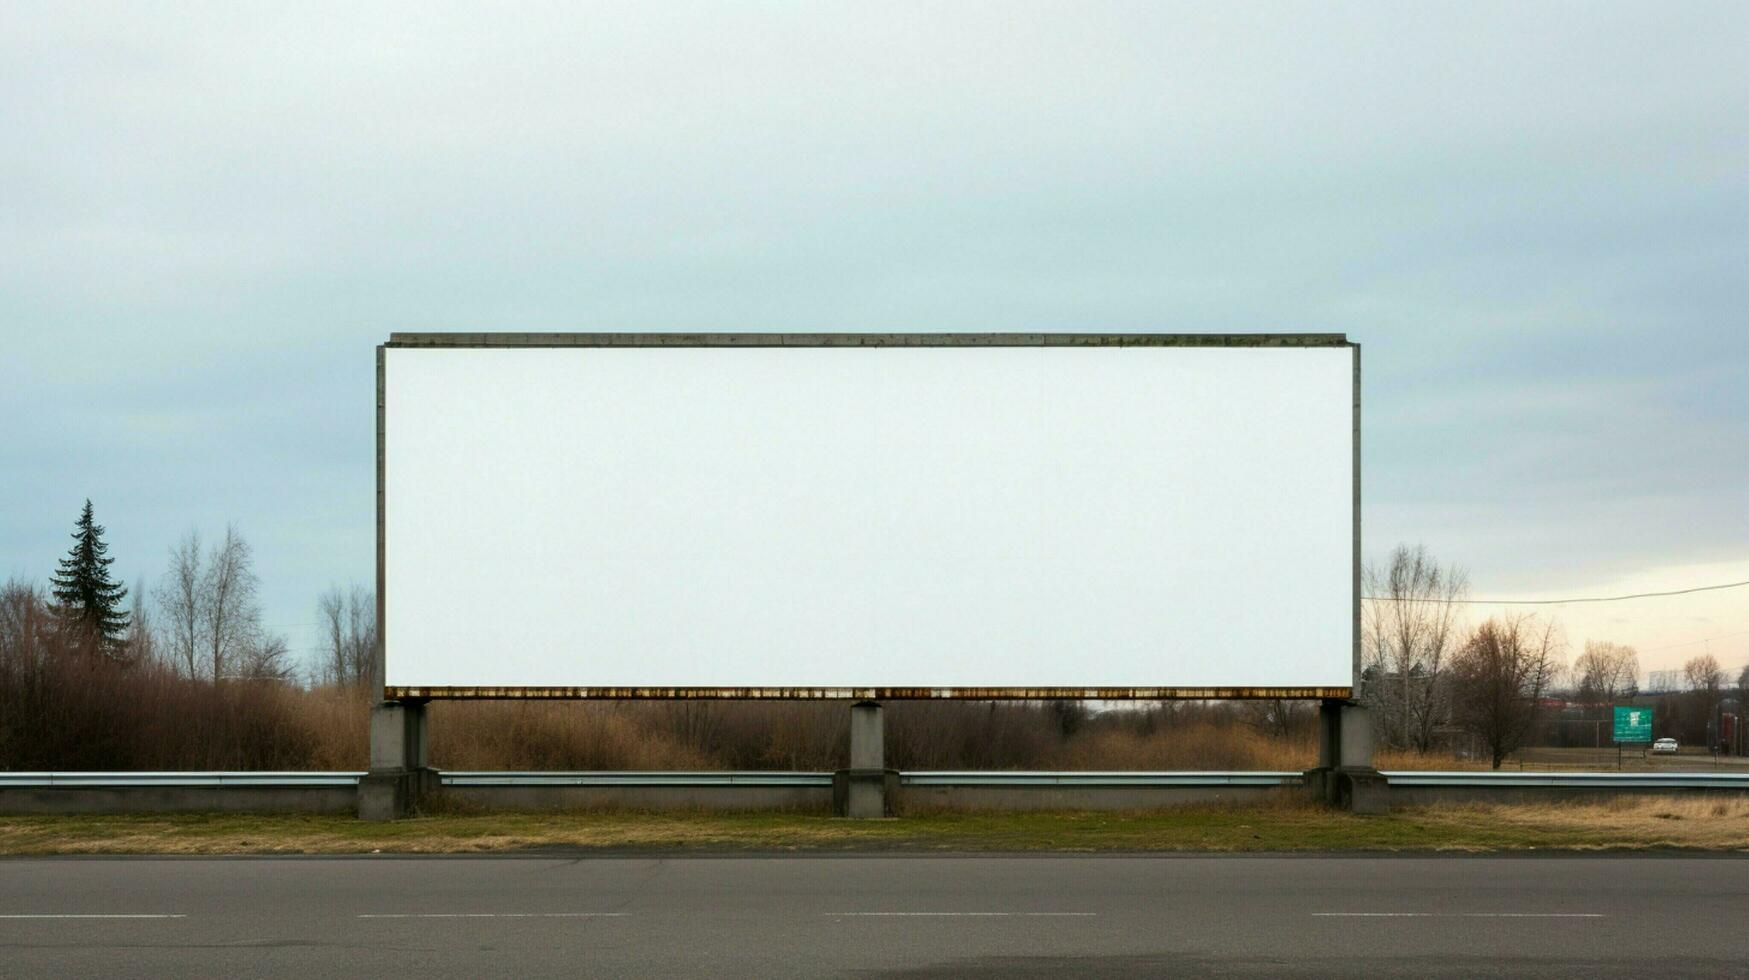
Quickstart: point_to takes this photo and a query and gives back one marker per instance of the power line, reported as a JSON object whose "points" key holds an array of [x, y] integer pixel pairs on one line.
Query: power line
{"points": [[1558, 602], [1694, 643]]}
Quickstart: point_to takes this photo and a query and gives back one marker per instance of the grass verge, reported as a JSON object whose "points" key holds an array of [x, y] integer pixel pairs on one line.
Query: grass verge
{"points": [[1625, 824]]}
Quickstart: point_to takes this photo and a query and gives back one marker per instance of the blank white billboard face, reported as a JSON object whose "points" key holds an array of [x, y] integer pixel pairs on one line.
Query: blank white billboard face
{"points": [[869, 517]]}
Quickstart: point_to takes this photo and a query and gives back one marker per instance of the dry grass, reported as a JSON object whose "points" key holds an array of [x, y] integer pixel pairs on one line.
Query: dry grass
{"points": [[1397, 759], [1645, 821], [1191, 745], [327, 728], [1283, 825], [521, 735], [339, 724], [107, 719]]}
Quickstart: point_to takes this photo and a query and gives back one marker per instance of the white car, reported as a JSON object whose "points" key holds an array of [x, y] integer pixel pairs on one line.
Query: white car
{"points": [[1664, 746]]}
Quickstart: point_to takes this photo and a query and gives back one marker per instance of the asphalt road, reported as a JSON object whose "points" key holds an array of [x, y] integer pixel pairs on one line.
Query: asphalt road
{"points": [[878, 916]]}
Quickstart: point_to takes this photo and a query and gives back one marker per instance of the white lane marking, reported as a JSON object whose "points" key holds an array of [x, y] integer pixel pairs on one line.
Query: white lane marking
{"points": [[91, 915], [982, 915], [494, 915], [1459, 915]]}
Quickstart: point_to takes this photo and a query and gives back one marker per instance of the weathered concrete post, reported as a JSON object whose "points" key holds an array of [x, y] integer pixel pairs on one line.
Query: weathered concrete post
{"points": [[1345, 776], [399, 776], [1321, 780], [868, 788]]}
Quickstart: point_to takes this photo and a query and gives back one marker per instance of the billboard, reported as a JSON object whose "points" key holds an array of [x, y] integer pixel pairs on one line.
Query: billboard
{"points": [[1632, 724], [893, 515]]}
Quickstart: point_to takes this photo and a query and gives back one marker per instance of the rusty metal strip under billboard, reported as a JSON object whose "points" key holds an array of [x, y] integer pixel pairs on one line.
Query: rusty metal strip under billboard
{"points": [[866, 693]]}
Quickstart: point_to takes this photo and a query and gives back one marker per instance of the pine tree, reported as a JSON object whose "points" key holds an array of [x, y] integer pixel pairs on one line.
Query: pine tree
{"points": [[84, 589]]}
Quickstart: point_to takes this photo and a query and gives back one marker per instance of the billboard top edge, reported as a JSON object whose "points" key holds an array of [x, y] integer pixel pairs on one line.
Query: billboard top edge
{"points": [[416, 340]]}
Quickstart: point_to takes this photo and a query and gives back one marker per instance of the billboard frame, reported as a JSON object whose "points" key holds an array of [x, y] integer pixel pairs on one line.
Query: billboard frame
{"points": [[415, 340]]}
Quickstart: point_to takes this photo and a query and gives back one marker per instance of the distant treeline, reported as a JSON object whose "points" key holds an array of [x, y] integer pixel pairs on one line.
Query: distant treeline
{"points": [[187, 677], [65, 705]]}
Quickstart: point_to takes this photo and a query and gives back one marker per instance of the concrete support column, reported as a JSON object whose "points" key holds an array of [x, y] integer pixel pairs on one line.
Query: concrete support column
{"points": [[868, 788], [397, 736], [399, 776], [1329, 734], [1321, 779], [868, 736], [1355, 733], [1345, 776]]}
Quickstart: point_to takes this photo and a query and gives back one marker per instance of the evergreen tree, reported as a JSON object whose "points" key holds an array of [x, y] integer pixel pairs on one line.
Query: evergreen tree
{"points": [[83, 588]]}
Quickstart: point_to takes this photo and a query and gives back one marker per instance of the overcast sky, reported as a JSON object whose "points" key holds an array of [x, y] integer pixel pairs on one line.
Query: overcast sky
{"points": [[1534, 217]]}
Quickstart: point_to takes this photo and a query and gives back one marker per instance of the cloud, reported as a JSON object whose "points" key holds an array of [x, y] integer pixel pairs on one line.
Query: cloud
{"points": [[1533, 217]]}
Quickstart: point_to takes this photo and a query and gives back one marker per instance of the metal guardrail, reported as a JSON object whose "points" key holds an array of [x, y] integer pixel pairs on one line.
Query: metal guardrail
{"points": [[119, 780], [1500, 778], [1080, 779], [822, 779], [1574, 780]]}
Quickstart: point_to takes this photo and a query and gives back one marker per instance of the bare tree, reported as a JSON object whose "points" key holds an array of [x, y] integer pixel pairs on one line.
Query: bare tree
{"points": [[142, 644], [179, 597], [27, 631], [1704, 674], [1069, 715], [1278, 717], [265, 658], [1607, 672], [22, 617], [1410, 626], [27, 625], [228, 615], [698, 723], [1499, 677], [349, 622], [1706, 679], [331, 615]]}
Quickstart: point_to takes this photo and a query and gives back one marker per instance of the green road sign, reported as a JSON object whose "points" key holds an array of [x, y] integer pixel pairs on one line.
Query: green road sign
{"points": [[1633, 724]]}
